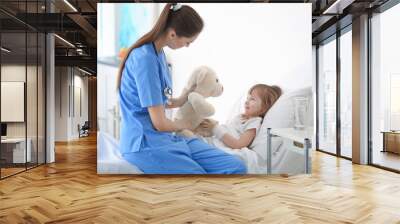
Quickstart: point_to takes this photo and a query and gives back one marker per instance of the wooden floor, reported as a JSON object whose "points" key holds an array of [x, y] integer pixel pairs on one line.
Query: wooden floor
{"points": [[5, 172], [387, 159], [10, 171], [70, 191]]}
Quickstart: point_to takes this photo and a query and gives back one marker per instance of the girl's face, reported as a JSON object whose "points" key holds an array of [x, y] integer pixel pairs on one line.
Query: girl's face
{"points": [[253, 106], [176, 42]]}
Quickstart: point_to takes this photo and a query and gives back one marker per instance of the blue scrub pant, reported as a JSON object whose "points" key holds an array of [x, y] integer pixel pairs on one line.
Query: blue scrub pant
{"points": [[189, 156]]}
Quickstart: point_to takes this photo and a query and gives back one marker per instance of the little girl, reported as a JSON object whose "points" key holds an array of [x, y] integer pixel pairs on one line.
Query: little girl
{"points": [[241, 131]]}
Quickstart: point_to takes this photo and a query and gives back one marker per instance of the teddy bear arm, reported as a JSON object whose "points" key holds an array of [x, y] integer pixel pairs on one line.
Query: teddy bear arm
{"points": [[186, 133], [200, 105]]}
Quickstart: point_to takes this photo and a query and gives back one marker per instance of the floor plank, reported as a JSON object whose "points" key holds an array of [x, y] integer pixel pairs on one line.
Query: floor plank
{"points": [[70, 191]]}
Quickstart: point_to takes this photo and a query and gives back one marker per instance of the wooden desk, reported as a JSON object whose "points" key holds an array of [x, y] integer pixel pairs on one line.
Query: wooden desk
{"points": [[391, 141]]}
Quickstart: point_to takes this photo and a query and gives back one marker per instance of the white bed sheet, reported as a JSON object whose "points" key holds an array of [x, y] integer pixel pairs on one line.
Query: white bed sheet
{"points": [[109, 158], [284, 159], [255, 158]]}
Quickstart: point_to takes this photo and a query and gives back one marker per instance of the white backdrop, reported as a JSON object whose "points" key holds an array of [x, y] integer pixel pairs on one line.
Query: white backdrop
{"points": [[248, 44], [12, 101]]}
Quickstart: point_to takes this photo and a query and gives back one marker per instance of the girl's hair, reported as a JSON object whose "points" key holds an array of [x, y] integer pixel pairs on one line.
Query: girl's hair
{"points": [[268, 94], [185, 21]]}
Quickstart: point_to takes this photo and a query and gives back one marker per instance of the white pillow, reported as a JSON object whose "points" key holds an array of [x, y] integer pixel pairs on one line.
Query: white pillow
{"points": [[281, 114], [237, 108]]}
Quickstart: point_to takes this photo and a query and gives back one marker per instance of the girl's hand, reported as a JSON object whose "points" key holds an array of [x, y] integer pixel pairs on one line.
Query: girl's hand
{"points": [[208, 125]]}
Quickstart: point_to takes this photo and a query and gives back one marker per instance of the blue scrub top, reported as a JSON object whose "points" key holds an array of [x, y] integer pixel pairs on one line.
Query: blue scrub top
{"points": [[144, 79]]}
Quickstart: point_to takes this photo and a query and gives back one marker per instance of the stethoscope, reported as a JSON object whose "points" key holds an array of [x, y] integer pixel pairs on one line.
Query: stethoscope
{"points": [[168, 94], [167, 90]]}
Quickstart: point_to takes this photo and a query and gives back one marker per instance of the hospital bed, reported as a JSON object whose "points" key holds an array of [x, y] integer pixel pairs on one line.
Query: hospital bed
{"points": [[109, 158], [285, 156]]}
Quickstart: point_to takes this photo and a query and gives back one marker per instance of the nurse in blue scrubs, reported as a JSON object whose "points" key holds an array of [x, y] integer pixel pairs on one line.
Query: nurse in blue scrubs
{"points": [[147, 136]]}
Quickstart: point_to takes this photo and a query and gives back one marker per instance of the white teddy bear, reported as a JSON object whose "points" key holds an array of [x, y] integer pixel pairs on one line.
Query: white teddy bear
{"points": [[205, 83]]}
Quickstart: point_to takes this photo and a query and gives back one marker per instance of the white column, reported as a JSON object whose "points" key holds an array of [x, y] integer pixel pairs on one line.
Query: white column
{"points": [[360, 90], [50, 92], [50, 110]]}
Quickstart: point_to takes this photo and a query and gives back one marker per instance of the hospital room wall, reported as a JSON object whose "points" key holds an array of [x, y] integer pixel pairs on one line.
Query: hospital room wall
{"points": [[249, 48], [71, 102], [108, 115]]}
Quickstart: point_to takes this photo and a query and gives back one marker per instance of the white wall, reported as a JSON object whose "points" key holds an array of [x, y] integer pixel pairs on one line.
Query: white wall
{"points": [[82, 83], [66, 121], [61, 103], [248, 44], [107, 100]]}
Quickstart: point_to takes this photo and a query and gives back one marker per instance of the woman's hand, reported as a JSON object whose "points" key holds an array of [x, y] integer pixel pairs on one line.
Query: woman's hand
{"points": [[174, 103], [192, 88], [162, 123], [178, 102]]}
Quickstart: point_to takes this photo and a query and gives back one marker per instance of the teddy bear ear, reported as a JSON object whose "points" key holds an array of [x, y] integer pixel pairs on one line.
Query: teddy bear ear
{"points": [[192, 81], [201, 74], [197, 76]]}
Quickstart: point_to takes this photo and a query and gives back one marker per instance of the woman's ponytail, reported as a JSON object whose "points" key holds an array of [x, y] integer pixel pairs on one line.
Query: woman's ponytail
{"points": [[151, 36], [183, 19]]}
